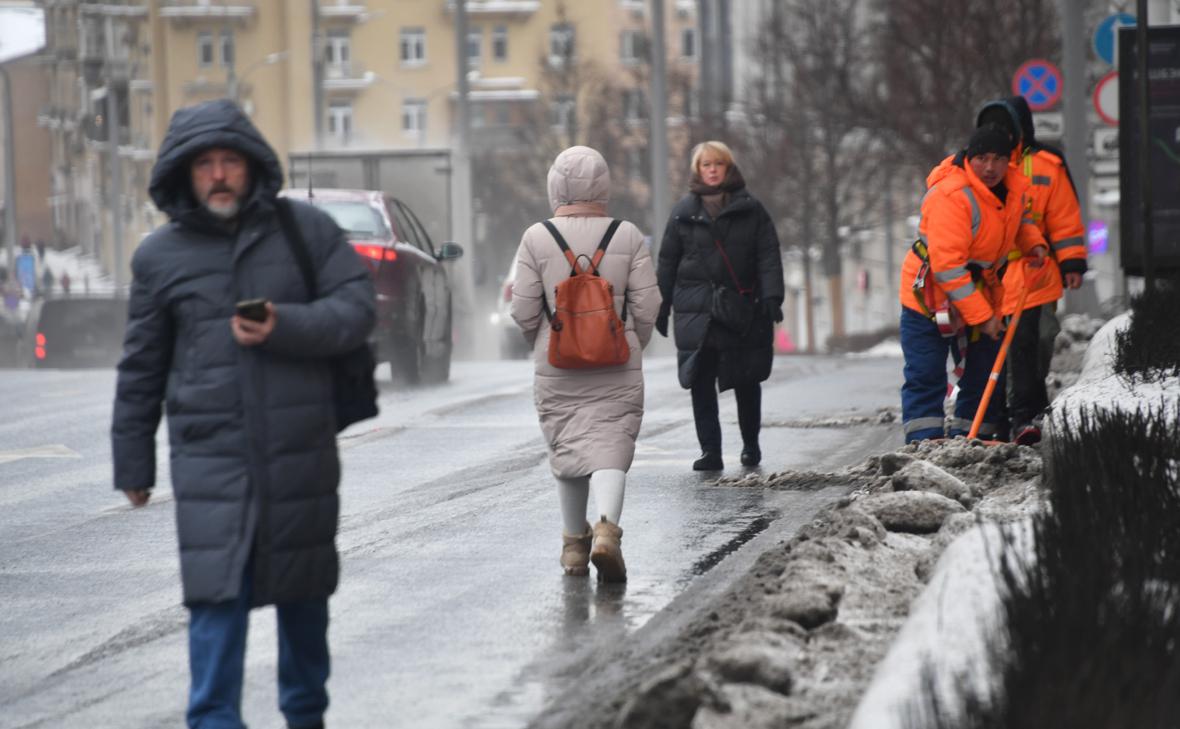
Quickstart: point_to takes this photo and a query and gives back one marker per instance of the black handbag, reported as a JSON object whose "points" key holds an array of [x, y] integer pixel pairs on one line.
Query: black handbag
{"points": [[354, 386], [734, 310]]}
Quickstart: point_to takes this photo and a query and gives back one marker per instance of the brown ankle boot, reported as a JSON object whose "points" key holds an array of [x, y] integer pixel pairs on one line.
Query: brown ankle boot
{"points": [[607, 554], [575, 553]]}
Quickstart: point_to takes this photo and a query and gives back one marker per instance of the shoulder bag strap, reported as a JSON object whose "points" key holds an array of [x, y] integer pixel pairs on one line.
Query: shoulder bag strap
{"points": [[295, 241], [732, 273]]}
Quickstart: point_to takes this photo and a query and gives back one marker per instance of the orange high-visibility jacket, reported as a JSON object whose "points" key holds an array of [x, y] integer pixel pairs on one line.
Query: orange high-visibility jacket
{"points": [[964, 224], [1053, 206]]}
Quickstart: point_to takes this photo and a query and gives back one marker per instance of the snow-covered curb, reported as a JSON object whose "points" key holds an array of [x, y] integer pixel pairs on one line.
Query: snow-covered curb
{"points": [[1099, 388], [945, 635]]}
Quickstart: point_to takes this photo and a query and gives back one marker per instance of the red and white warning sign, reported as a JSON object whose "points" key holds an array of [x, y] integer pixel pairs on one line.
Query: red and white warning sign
{"points": [[1106, 98]]}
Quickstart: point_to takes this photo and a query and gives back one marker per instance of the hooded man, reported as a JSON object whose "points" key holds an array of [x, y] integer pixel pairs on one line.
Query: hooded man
{"points": [[971, 220], [1052, 202], [251, 421]]}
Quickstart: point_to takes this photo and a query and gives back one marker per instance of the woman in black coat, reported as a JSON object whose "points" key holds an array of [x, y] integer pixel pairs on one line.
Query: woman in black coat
{"points": [[721, 271]]}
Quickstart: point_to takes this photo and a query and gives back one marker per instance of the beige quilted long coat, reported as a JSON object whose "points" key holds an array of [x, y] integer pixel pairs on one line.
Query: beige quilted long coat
{"points": [[590, 418]]}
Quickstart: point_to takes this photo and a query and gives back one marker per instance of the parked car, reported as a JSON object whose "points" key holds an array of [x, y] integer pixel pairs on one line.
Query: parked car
{"points": [[512, 341], [75, 331], [414, 312]]}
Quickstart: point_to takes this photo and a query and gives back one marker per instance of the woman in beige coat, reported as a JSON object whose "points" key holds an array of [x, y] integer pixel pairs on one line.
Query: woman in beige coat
{"points": [[590, 417]]}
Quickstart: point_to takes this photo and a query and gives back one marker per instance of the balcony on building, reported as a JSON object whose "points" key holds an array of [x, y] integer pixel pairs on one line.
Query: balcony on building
{"points": [[487, 8], [182, 11], [343, 9], [640, 7], [114, 10], [347, 76], [55, 118]]}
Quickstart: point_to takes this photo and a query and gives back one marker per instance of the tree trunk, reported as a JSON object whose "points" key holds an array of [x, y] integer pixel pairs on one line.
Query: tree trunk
{"points": [[836, 294], [808, 297]]}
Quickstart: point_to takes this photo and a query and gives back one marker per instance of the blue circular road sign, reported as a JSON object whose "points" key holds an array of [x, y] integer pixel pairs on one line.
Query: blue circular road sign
{"points": [[1039, 82], [1107, 32]]}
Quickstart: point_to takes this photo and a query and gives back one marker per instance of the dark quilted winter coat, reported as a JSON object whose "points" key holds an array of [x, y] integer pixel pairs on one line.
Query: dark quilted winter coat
{"points": [[689, 265], [252, 429]]}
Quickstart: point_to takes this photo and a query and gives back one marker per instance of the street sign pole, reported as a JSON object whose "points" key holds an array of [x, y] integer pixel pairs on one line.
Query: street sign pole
{"points": [[1144, 150], [1073, 56]]}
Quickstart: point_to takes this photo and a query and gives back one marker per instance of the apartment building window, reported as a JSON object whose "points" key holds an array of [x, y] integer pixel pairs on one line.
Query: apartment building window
{"points": [[632, 46], [633, 105], [474, 46], [227, 48], [500, 43], [413, 46], [561, 44], [414, 116], [635, 164], [337, 53], [688, 43], [204, 49], [561, 112], [502, 113], [340, 121]]}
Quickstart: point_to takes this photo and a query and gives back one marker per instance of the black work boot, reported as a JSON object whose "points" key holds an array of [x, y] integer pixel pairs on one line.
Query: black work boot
{"points": [[709, 461], [751, 456]]}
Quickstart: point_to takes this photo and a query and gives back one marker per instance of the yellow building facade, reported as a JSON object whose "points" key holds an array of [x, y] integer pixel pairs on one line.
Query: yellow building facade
{"points": [[384, 77]]}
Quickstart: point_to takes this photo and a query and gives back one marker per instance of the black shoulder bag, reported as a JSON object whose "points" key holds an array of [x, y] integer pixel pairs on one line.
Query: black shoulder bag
{"points": [[732, 309], [354, 388]]}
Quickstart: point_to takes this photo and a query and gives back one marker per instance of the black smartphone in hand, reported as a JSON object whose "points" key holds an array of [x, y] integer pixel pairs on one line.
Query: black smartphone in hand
{"points": [[252, 309]]}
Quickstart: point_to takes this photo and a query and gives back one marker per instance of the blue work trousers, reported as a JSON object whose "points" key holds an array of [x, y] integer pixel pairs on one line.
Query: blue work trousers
{"points": [[217, 652], [925, 388]]}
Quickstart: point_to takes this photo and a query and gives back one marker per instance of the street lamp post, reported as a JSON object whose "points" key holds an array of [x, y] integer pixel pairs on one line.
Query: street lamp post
{"points": [[235, 81]]}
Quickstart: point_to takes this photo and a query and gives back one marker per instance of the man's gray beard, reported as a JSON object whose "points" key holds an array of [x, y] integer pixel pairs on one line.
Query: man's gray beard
{"points": [[224, 212]]}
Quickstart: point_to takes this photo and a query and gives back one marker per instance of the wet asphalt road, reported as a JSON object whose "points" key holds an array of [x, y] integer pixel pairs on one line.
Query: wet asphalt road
{"points": [[452, 610]]}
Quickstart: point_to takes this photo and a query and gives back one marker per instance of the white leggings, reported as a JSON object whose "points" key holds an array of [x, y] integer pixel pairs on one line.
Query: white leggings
{"points": [[607, 485]]}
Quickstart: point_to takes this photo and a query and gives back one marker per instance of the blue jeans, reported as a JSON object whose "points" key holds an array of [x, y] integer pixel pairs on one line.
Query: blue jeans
{"points": [[925, 387], [217, 652]]}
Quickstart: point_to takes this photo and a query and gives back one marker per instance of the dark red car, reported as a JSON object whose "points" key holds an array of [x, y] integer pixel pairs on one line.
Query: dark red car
{"points": [[413, 332]]}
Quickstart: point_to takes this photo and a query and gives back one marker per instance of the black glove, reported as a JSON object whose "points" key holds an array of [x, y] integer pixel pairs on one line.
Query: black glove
{"points": [[773, 308], [662, 320]]}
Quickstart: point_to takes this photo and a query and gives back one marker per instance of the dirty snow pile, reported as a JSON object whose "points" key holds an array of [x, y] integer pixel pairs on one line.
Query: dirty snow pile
{"points": [[1069, 349], [796, 641]]}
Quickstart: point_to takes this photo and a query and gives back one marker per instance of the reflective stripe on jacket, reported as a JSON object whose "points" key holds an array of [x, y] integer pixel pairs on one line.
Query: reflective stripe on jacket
{"points": [[1053, 206], [965, 226]]}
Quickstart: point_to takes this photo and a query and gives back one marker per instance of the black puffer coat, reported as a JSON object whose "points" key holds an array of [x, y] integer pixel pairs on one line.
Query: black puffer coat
{"points": [[252, 429], [690, 265]]}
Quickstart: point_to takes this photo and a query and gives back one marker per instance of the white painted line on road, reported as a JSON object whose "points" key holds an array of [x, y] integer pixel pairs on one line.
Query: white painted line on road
{"points": [[48, 451]]}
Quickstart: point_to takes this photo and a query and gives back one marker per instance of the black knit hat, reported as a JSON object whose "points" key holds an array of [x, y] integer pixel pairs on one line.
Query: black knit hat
{"points": [[990, 138]]}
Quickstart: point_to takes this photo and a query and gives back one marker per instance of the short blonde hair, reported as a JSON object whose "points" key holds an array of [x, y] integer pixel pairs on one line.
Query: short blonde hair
{"points": [[720, 149]]}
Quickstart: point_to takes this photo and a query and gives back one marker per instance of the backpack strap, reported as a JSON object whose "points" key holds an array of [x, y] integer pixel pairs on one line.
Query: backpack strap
{"points": [[569, 255], [601, 251], [295, 241]]}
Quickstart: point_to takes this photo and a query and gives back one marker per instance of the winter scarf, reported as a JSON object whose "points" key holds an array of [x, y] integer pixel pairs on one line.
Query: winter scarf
{"points": [[716, 197]]}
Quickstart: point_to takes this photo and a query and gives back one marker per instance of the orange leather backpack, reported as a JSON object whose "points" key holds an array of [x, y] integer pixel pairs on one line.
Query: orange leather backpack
{"points": [[584, 329]]}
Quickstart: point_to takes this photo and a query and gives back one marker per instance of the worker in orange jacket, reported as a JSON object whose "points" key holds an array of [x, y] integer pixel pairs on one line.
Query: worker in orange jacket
{"points": [[1052, 202], [972, 220]]}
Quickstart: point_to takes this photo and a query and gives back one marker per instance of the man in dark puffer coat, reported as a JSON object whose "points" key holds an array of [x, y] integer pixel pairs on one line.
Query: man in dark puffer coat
{"points": [[251, 422]]}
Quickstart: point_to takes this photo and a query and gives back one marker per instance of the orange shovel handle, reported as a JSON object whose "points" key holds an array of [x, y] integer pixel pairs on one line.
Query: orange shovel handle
{"points": [[999, 365]]}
